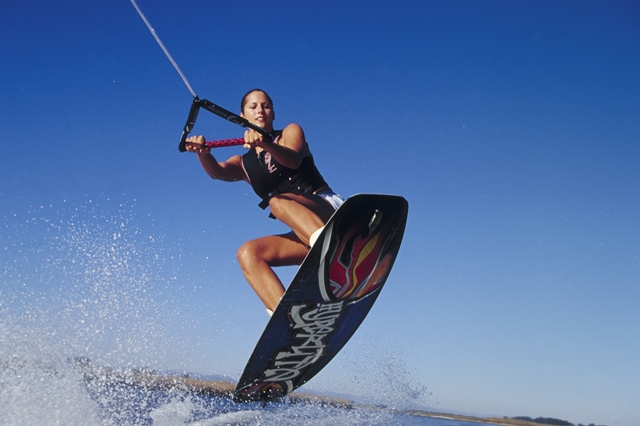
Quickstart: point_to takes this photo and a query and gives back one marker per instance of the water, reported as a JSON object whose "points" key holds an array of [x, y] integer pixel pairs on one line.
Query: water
{"points": [[90, 284]]}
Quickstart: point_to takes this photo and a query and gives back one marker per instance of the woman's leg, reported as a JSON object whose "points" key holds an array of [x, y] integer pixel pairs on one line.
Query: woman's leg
{"points": [[258, 257], [303, 213]]}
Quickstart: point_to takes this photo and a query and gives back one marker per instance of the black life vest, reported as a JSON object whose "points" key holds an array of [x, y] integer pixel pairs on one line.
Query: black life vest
{"points": [[268, 177]]}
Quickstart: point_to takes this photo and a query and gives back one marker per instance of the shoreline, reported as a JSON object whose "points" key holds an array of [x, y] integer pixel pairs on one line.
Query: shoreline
{"points": [[222, 388]]}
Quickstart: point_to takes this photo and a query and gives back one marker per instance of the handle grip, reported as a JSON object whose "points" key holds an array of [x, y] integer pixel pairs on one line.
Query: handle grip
{"points": [[224, 142], [220, 112]]}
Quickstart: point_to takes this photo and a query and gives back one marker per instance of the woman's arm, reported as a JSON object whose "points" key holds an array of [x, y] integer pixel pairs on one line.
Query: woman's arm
{"points": [[290, 149], [228, 171]]}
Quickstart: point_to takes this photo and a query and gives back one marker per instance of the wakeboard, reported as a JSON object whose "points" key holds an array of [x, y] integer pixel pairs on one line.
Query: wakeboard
{"points": [[329, 297]]}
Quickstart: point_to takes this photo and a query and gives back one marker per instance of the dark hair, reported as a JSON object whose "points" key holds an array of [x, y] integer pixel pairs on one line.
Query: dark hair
{"points": [[243, 102]]}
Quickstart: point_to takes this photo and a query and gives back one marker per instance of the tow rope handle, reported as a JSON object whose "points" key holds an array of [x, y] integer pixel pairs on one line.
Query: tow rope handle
{"points": [[224, 143], [220, 112], [199, 103]]}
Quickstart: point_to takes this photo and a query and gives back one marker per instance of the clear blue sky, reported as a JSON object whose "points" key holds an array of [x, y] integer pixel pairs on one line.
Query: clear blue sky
{"points": [[512, 127]]}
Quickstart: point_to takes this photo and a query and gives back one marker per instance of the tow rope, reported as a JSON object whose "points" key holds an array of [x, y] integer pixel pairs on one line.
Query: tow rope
{"points": [[201, 103]]}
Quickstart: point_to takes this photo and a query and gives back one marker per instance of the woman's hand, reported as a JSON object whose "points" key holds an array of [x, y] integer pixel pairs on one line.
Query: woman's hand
{"points": [[196, 144], [253, 139]]}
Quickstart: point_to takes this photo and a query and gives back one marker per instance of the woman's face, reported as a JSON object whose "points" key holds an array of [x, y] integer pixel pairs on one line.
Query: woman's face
{"points": [[258, 110]]}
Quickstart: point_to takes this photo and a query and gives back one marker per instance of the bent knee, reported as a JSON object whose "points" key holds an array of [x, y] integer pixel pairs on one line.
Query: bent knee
{"points": [[249, 254]]}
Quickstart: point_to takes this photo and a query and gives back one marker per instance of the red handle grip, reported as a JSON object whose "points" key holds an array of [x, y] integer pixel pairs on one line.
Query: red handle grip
{"points": [[224, 142]]}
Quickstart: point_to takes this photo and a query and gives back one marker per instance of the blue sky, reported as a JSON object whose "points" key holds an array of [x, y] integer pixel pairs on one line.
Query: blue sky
{"points": [[512, 128]]}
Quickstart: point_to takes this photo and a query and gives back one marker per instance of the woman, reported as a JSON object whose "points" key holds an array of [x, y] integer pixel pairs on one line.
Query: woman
{"points": [[282, 172]]}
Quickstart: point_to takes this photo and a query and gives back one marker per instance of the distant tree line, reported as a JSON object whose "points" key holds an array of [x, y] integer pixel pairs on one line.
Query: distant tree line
{"points": [[545, 421], [549, 421]]}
